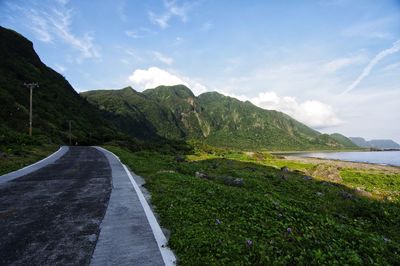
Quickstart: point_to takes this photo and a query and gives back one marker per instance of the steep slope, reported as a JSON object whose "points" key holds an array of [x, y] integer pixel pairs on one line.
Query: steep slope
{"points": [[55, 102], [345, 141], [176, 113], [250, 126], [135, 113], [183, 104]]}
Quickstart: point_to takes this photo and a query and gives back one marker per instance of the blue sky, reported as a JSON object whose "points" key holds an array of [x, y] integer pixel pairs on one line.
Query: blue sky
{"points": [[332, 64]]}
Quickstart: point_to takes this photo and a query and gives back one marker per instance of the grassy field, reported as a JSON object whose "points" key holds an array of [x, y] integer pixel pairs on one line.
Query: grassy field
{"points": [[275, 216], [14, 157]]}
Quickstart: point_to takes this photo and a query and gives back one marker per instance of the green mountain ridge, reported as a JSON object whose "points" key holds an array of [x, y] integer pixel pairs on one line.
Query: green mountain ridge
{"points": [[375, 143], [176, 113], [345, 141], [165, 112], [55, 102]]}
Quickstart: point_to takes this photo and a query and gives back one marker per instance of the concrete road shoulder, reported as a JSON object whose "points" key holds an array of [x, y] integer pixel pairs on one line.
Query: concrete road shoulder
{"points": [[129, 232]]}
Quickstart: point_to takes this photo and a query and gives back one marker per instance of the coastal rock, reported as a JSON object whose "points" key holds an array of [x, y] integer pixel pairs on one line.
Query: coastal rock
{"points": [[285, 169], [346, 195], [180, 159], [202, 175], [214, 165], [361, 192], [235, 182], [307, 177], [329, 184]]}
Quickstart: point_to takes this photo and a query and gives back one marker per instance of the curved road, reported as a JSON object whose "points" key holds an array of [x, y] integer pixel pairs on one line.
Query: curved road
{"points": [[54, 216]]}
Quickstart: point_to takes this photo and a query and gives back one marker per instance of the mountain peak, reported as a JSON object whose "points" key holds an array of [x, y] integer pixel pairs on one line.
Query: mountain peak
{"points": [[178, 90], [128, 89]]}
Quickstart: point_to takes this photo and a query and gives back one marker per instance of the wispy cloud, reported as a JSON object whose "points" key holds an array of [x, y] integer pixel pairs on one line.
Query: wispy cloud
{"points": [[343, 62], [163, 58], [138, 33], [392, 67], [61, 21], [370, 29], [121, 7], [172, 9], [49, 23], [394, 49]]}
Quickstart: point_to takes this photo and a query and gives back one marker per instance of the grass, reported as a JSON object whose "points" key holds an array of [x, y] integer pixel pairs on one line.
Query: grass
{"points": [[379, 182], [275, 218], [14, 157]]}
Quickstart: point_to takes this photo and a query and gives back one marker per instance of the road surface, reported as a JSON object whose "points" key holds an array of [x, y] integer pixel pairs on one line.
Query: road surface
{"points": [[78, 210]]}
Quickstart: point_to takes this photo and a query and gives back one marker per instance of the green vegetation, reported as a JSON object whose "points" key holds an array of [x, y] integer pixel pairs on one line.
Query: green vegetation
{"points": [[346, 142], [14, 157], [276, 217], [55, 102], [173, 112], [381, 183]]}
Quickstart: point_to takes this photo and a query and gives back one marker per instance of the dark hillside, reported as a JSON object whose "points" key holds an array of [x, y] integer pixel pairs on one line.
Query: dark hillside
{"points": [[55, 102]]}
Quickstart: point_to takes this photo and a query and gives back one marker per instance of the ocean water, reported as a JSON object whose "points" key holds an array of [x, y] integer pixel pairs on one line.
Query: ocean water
{"points": [[377, 157]]}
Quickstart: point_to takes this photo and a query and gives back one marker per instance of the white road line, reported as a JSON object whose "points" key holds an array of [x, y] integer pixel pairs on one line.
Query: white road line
{"points": [[166, 253]]}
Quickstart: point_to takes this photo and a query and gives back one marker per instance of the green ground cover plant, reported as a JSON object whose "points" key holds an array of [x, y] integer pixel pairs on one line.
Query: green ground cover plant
{"points": [[274, 216], [14, 157]]}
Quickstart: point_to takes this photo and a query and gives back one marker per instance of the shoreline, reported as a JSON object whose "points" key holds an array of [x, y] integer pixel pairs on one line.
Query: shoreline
{"points": [[329, 151], [344, 164]]}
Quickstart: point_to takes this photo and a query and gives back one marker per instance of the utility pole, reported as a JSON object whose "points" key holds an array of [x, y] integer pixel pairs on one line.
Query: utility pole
{"points": [[70, 142], [30, 86]]}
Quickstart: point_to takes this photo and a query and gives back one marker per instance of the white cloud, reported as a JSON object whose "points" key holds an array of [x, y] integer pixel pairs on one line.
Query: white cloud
{"points": [[340, 63], [394, 49], [313, 113], [172, 9], [154, 76], [49, 23], [163, 58]]}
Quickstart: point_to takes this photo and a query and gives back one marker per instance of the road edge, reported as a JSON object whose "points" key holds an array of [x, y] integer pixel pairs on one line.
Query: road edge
{"points": [[35, 166], [167, 254]]}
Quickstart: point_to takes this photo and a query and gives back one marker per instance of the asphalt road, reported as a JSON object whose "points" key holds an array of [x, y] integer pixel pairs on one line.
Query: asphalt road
{"points": [[53, 215]]}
